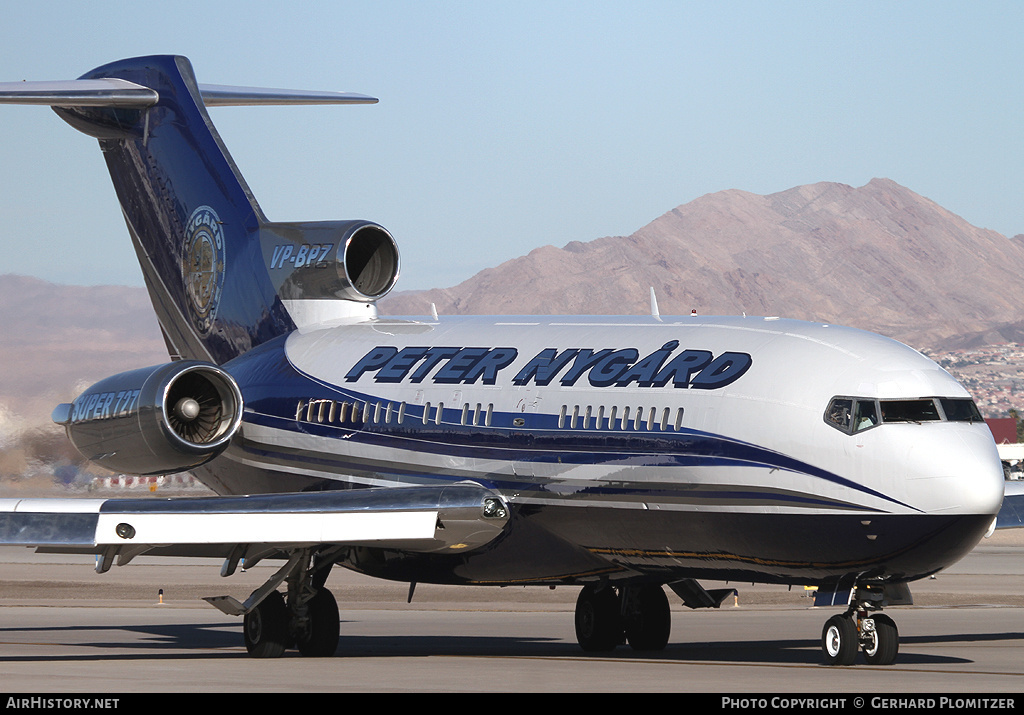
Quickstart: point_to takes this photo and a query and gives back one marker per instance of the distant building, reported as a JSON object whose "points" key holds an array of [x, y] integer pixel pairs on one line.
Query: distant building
{"points": [[1004, 429]]}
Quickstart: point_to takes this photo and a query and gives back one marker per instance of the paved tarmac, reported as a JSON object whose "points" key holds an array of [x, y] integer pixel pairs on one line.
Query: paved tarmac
{"points": [[66, 629]]}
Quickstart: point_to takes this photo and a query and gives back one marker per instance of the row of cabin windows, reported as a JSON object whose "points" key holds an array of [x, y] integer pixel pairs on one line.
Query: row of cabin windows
{"points": [[333, 412], [596, 418]]}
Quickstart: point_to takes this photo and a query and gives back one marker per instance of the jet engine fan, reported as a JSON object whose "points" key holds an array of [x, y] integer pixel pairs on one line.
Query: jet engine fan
{"points": [[156, 420]]}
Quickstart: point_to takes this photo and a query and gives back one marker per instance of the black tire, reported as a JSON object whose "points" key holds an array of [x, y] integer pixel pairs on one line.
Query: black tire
{"points": [[266, 628], [839, 641], [650, 626], [598, 621], [884, 643], [324, 626]]}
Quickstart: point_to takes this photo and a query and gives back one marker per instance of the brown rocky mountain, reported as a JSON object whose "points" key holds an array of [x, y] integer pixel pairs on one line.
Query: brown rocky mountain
{"points": [[879, 257]]}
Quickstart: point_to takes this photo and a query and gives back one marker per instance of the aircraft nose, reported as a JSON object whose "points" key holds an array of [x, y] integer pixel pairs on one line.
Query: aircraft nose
{"points": [[964, 474]]}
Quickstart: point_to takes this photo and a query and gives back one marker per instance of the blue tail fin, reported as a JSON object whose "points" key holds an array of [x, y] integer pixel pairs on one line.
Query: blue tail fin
{"points": [[222, 279]]}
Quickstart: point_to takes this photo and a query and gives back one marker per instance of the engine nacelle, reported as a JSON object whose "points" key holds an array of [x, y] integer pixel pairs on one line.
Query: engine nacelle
{"points": [[156, 420], [330, 260]]}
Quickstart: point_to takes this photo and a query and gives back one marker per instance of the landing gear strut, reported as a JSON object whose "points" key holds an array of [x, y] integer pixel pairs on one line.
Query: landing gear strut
{"points": [[637, 614]]}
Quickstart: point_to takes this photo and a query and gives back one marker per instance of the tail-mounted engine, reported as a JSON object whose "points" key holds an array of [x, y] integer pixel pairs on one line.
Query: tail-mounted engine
{"points": [[156, 420], [330, 260], [326, 270]]}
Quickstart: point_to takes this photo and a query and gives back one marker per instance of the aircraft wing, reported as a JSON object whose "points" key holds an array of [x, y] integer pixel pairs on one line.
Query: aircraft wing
{"points": [[1011, 514], [424, 519]]}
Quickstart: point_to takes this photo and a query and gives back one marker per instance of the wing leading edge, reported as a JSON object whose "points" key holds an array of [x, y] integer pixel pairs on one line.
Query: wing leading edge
{"points": [[1011, 515], [429, 519]]}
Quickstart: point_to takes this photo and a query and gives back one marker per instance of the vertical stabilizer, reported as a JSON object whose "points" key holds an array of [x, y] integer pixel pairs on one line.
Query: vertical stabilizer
{"points": [[221, 278], [193, 221]]}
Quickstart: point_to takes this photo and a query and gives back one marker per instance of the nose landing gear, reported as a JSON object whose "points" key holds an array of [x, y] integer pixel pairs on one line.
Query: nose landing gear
{"points": [[844, 635], [858, 629], [880, 643]]}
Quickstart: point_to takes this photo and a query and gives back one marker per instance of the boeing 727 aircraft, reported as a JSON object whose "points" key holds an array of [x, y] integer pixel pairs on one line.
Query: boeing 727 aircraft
{"points": [[619, 455]]}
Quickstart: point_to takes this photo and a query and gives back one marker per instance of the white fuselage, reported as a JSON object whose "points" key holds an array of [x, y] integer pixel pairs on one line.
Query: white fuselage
{"points": [[593, 415]]}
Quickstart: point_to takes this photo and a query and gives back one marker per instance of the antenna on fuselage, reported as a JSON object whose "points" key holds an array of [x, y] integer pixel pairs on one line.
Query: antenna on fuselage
{"points": [[655, 313]]}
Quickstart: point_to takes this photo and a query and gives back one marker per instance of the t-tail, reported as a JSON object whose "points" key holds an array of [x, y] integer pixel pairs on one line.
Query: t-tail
{"points": [[221, 277]]}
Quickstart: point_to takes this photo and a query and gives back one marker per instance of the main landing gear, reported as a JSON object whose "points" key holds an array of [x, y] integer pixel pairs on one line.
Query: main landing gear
{"points": [[306, 618], [312, 627], [607, 616]]}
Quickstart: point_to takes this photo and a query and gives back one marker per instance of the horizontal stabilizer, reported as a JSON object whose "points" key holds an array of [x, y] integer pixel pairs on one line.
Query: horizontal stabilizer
{"points": [[79, 93], [216, 95], [112, 92]]}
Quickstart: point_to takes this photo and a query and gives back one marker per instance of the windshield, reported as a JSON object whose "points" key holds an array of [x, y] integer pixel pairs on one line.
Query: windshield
{"points": [[960, 410], [909, 411], [856, 414]]}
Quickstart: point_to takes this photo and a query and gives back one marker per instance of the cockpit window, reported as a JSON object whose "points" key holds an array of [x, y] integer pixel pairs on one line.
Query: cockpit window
{"points": [[850, 414], [909, 411], [839, 413], [960, 410], [867, 415], [856, 414]]}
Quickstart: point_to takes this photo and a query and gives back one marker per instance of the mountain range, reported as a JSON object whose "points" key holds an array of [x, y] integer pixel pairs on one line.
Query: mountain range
{"points": [[878, 257]]}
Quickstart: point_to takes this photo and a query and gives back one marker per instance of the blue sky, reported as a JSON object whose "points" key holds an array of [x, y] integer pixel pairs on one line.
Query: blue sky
{"points": [[507, 126]]}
